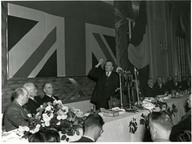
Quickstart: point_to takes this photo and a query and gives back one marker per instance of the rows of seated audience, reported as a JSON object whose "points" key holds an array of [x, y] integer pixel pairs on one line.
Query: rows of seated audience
{"points": [[162, 86], [26, 101]]}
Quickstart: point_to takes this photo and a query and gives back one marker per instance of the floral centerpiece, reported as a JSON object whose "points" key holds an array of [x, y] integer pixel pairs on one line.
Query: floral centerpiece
{"points": [[67, 121]]}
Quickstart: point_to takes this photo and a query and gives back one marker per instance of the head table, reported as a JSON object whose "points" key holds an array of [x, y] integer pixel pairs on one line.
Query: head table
{"points": [[117, 129]]}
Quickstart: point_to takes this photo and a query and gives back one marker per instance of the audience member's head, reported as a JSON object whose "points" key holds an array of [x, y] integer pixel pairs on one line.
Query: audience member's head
{"points": [[170, 78], [150, 82], [48, 89], [93, 126], [164, 81], [30, 87], [175, 79], [109, 66], [159, 80], [45, 135], [160, 126], [184, 78], [189, 101], [37, 137], [21, 95], [52, 135]]}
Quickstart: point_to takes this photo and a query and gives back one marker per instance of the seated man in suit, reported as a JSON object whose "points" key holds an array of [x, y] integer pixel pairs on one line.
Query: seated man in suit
{"points": [[176, 85], [169, 83], [15, 115], [149, 90], [34, 100], [160, 125], [184, 83], [183, 125], [93, 128], [159, 87], [48, 90]]}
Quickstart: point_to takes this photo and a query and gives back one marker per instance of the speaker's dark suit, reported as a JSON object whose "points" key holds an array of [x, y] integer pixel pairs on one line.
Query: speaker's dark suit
{"points": [[85, 139], [32, 105], [15, 116], [105, 87]]}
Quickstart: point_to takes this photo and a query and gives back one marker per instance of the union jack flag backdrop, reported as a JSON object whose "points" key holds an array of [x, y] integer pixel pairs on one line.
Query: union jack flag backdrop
{"points": [[48, 39]]}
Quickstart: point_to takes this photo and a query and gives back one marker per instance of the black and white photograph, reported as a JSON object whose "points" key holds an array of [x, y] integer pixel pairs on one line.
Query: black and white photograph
{"points": [[96, 71]]}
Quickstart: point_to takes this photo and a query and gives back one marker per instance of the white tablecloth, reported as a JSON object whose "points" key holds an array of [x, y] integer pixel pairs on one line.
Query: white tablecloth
{"points": [[116, 129]]}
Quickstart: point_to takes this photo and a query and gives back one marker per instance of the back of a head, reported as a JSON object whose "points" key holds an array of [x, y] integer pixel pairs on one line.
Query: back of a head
{"points": [[93, 120], [37, 137], [162, 119], [18, 92], [52, 135]]}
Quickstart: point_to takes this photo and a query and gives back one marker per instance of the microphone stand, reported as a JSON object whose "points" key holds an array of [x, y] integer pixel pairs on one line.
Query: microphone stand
{"points": [[120, 72], [128, 93], [136, 84], [121, 93]]}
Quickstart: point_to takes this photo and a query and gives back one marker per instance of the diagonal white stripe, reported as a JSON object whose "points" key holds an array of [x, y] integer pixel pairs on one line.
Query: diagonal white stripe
{"points": [[43, 61], [19, 54], [92, 44], [60, 52], [25, 47], [108, 48], [24, 12]]}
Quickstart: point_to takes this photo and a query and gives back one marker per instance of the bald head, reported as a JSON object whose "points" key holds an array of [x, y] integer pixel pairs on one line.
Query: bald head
{"points": [[150, 82], [30, 87], [21, 95]]}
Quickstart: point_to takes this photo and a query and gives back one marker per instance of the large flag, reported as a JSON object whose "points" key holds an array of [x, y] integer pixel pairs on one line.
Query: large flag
{"points": [[35, 43], [138, 49], [132, 38], [58, 38]]}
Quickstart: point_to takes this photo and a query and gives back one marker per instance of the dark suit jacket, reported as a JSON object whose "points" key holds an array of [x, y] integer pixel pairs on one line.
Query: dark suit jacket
{"points": [[105, 86], [46, 99], [149, 92], [160, 90], [84, 139], [176, 87], [32, 106], [184, 85], [15, 116], [184, 124]]}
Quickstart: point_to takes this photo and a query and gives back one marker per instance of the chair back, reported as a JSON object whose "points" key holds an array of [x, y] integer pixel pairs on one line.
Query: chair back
{"points": [[184, 136]]}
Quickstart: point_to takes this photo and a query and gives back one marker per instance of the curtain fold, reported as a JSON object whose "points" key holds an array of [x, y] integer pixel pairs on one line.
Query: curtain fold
{"points": [[4, 50]]}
